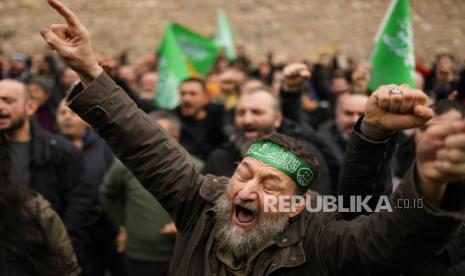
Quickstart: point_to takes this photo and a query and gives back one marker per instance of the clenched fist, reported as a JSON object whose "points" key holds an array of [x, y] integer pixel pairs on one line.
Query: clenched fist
{"points": [[387, 110], [294, 75], [441, 158]]}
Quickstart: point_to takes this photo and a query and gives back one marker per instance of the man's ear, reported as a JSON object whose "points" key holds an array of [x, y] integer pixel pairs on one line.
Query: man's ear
{"points": [[278, 119], [298, 205], [31, 107]]}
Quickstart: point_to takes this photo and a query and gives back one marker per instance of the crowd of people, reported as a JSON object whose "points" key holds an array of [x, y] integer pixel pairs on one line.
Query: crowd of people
{"points": [[60, 179]]}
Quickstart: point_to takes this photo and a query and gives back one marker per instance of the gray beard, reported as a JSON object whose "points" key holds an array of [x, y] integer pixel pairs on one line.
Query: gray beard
{"points": [[234, 240]]}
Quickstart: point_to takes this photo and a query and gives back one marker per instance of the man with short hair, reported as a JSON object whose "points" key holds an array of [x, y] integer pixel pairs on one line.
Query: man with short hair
{"points": [[228, 88], [129, 74], [442, 76], [222, 223], [19, 69], [67, 78], [42, 92], [339, 86], [258, 113], [171, 124], [360, 78], [336, 133], [201, 122], [44, 162], [147, 86]]}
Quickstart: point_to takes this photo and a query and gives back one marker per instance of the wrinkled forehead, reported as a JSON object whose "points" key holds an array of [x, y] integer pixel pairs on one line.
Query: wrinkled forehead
{"points": [[265, 170]]}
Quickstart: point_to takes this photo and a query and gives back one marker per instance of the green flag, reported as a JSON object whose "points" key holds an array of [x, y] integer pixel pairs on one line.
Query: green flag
{"points": [[224, 37], [183, 54], [392, 59]]}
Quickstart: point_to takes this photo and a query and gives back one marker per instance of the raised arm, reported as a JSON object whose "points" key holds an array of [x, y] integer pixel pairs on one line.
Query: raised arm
{"points": [[159, 162], [72, 43], [366, 167], [433, 204], [440, 154]]}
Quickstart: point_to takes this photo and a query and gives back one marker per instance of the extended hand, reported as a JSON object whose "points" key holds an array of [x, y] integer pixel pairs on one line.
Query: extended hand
{"points": [[387, 112], [72, 42]]}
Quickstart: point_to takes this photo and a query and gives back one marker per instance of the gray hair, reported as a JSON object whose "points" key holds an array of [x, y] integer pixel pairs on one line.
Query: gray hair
{"points": [[169, 116]]}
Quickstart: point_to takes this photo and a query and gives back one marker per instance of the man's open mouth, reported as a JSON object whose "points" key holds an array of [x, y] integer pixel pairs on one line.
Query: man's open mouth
{"points": [[243, 216], [250, 132], [4, 117]]}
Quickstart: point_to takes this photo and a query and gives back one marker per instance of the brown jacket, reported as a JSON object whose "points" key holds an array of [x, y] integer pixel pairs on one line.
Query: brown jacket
{"points": [[312, 244]]}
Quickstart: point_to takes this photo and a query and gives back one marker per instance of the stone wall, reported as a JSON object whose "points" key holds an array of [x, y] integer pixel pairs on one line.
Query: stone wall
{"points": [[297, 28]]}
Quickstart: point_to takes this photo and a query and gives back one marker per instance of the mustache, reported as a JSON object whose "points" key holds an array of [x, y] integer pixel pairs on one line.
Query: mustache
{"points": [[263, 130], [249, 128], [186, 104], [249, 205]]}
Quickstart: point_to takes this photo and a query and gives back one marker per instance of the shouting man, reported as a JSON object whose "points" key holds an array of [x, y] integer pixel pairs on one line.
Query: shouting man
{"points": [[222, 224]]}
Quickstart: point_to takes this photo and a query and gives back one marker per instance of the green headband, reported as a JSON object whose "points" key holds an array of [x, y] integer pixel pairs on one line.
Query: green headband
{"points": [[283, 160]]}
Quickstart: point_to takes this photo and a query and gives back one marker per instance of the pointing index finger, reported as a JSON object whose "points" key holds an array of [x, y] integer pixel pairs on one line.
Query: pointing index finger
{"points": [[66, 13]]}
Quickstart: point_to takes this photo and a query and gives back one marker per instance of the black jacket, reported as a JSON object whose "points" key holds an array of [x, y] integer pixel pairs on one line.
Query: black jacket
{"points": [[199, 138], [98, 158], [333, 148], [404, 156], [359, 176], [57, 172]]}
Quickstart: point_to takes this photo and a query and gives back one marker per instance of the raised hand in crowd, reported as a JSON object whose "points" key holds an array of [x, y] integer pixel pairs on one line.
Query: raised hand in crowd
{"points": [[72, 42], [294, 75], [391, 108], [441, 151]]}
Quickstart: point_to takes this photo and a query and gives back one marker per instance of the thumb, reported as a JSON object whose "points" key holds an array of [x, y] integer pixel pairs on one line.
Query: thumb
{"points": [[423, 113], [52, 39]]}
